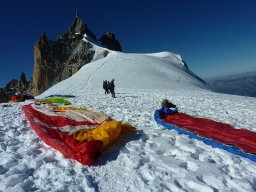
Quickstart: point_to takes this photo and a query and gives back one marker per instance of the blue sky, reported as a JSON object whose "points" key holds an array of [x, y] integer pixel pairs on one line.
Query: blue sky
{"points": [[214, 37]]}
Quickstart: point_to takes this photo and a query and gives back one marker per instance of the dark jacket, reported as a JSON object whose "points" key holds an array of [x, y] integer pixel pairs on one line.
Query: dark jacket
{"points": [[111, 86], [169, 111], [166, 111]]}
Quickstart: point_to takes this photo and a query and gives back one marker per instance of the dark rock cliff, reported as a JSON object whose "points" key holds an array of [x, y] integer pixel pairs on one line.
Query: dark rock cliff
{"points": [[57, 60], [15, 86], [109, 40]]}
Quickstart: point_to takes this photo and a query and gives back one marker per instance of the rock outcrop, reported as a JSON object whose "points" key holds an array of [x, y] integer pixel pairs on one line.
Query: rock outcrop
{"points": [[16, 86], [57, 60], [109, 40], [80, 28]]}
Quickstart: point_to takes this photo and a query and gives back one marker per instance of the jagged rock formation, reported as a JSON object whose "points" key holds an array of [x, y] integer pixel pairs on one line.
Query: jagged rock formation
{"points": [[16, 86], [57, 60], [109, 40], [80, 28]]}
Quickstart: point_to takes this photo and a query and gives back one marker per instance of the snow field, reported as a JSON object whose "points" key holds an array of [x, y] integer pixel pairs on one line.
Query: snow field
{"points": [[155, 159]]}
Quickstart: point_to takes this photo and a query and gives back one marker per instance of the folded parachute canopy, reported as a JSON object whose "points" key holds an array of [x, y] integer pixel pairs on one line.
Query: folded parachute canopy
{"points": [[59, 100], [238, 141], [59, 95], [78, 133]]}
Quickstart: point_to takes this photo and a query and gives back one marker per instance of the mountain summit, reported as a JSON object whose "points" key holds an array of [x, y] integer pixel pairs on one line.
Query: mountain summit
{"points": [[78, 27], [57, 60]]}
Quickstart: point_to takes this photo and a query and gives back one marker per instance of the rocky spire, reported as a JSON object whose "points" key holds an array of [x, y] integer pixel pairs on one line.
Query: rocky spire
{"points": [[42, 39], [23, 78], [80, 28], [43, 36]]}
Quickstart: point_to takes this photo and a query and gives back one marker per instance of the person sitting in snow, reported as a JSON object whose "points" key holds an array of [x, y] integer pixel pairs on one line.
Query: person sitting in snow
{"points": [[167, 108]]}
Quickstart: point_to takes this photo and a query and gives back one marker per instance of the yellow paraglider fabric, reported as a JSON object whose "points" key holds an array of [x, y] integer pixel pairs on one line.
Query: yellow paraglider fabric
{"points": [[107, 132], [65, 108]]}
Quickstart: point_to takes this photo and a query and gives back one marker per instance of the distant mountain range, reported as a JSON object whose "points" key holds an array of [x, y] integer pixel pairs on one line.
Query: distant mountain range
{"points": [[239, 84]]}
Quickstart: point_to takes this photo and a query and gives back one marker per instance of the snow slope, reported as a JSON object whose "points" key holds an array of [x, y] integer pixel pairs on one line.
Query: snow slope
{"points": [[156, 159], [133, 71]]}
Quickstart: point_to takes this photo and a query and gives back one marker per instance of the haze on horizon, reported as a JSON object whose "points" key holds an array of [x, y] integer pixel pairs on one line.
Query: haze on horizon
{"points": [[215, 38]]}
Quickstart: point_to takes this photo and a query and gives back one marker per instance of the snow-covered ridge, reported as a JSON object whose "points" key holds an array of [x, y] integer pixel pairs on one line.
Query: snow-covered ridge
{"points": [[134, 71], [165, 54], [100, 52]]}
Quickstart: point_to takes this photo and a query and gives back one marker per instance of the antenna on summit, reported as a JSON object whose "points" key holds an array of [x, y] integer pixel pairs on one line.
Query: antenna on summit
{"points": [[77, 14]]}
